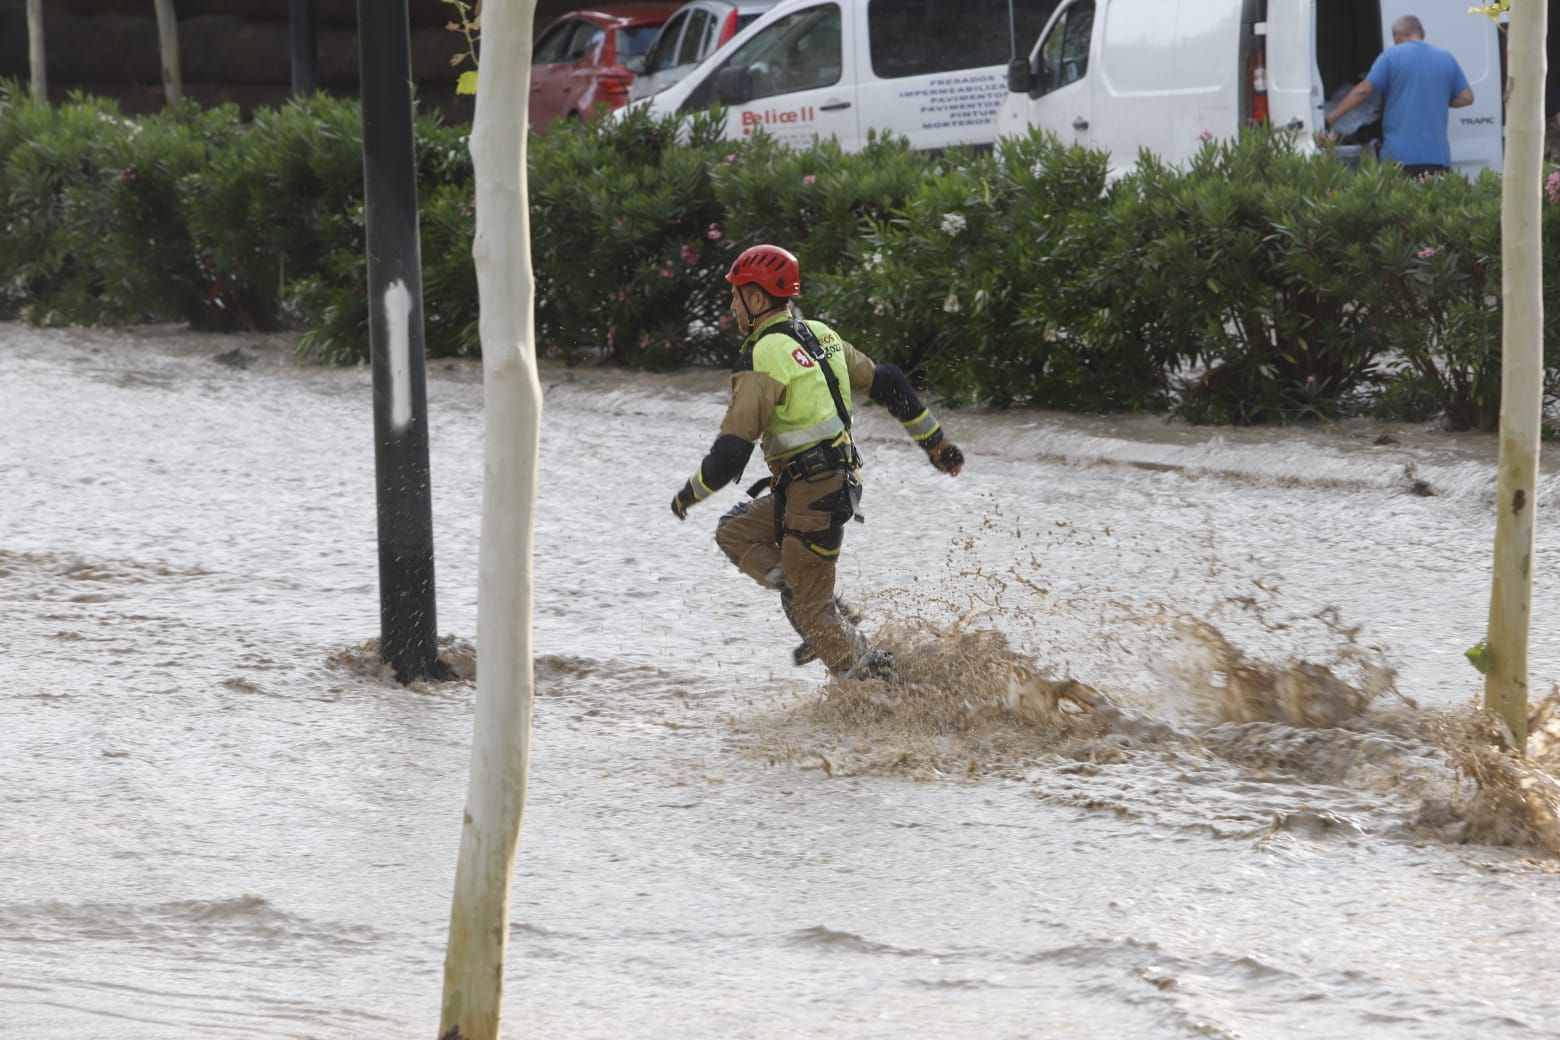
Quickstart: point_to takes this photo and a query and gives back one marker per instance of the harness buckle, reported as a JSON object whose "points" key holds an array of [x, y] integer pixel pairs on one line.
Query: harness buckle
{"points": [[820, 459]]}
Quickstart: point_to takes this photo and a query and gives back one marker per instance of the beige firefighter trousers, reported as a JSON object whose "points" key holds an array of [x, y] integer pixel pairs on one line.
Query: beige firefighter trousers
{"points": [[803, 561]]}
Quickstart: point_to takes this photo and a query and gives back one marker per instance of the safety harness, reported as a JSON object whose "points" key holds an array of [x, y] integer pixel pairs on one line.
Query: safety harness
{"points": [[820, 458]]}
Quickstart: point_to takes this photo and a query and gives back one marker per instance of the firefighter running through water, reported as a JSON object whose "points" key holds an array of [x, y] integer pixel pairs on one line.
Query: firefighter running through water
{"points": [[791, 384]]}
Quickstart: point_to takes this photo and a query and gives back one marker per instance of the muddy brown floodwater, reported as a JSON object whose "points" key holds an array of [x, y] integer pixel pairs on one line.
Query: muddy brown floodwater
{"points": [[1186, 750]]}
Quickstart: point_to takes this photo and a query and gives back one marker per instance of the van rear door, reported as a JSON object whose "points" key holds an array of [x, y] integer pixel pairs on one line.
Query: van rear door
{"points": [[1293, 93]]}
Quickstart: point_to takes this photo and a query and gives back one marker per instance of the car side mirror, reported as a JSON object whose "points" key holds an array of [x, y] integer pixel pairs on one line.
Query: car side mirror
{"points": [[734, 86], [635, 64], [1020, 78]]}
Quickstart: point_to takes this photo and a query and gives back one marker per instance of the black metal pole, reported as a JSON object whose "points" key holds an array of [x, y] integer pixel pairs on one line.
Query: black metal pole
{"points": [[303, 31], [407, 622]]}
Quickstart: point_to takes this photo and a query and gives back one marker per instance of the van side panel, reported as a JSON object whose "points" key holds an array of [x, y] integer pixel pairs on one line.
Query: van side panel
{"points": [[932, 110], [1166, 75], [1475, 131], [936, 111], [1294, 95]]}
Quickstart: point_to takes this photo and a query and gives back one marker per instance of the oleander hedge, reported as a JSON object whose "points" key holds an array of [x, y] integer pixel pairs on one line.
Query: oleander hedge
{"points": [[1258, 284]]}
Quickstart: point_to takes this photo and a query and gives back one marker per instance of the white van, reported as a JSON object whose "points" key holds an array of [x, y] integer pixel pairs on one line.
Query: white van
{"points": [[933, 71], [1162, 75]]}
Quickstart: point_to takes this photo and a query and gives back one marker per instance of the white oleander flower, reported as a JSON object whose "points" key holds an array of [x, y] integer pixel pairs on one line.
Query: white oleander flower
{"points": [[1037, 170], [953, 223], [951, 304], [872, 261]]}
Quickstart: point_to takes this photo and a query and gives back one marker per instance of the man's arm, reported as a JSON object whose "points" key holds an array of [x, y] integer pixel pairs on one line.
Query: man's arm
{"points": [[1462, 93], [861, 368], [754, 397], [1351, 101], [891, 388]]}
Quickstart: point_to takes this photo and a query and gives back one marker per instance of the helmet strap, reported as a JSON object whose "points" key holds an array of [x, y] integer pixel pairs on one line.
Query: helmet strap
{"points": [[748, 321]]}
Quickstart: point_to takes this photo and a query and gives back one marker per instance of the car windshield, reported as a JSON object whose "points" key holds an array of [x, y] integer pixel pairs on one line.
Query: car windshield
{"points": [[635, 40]]}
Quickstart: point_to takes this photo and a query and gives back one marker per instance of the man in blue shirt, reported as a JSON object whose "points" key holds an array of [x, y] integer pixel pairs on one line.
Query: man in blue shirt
{"points": [[1417, 83]]}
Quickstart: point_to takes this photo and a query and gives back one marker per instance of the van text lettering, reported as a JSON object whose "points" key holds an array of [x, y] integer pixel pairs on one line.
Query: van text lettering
{"points": [[774, 115]]}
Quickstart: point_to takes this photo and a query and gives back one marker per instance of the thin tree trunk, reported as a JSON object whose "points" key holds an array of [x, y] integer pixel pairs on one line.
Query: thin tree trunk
{"points": [[40, 74], [168, 44], [495, 799], [1522, 374]]}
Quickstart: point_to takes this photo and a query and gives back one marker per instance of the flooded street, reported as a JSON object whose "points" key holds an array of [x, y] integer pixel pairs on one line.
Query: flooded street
{"points": [[220, 822]]}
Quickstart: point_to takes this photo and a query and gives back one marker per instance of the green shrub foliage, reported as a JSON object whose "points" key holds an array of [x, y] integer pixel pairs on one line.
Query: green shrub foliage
{"points": [[1261, 283]]}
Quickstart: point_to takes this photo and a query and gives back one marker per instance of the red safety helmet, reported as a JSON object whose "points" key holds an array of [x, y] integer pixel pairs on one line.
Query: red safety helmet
{"points": [[771, 268]]}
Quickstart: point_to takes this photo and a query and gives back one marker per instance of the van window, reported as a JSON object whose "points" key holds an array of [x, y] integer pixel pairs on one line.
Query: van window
{"points": [[921, 37], [1064, 56], [801, 51]]}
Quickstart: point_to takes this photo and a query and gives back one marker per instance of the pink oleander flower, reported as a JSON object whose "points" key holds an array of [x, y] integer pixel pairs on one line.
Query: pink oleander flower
{"points": [[724, 321], [1427, 252], [809, 178], [621, 296], [667, 272], [731, 157], [1552, 186], [1205, 136], [715, 232], [127, 174], [690, 255]]}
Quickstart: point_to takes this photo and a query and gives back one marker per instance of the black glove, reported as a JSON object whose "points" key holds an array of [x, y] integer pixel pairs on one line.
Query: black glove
{"points": [[946, 456], [682, 501]]}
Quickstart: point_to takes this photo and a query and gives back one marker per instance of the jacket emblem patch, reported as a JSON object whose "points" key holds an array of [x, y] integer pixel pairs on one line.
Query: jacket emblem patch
{"points": [[802, 357]]}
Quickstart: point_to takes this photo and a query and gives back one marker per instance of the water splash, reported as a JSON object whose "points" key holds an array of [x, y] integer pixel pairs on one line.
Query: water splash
{"points": [[1505, 799], [364, 662], [1229, 685], [1311, 742]]}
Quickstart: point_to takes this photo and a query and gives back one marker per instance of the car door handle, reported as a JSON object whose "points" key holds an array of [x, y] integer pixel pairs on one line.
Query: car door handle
{"points": [[1080, 123], [834, 106]]}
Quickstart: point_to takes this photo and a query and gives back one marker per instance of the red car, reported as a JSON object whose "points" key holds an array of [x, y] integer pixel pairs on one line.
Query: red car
{"points": [[577, 65]]}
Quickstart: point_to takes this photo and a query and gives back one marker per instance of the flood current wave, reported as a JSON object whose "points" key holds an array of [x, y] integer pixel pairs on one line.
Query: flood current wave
{"points": [[1185, 744]]}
